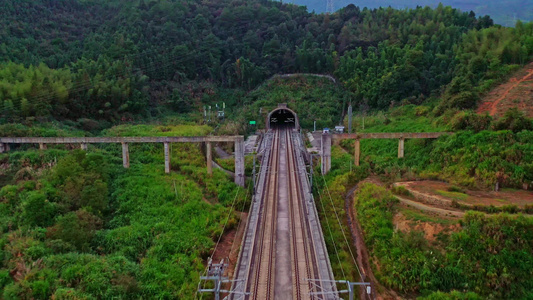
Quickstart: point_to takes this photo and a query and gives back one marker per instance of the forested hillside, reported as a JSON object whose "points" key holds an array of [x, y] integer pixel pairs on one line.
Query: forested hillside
{"points": [[122, 60]]}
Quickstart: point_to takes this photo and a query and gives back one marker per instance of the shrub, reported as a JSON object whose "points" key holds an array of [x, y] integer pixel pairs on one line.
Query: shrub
{"points": [[513, 120], [470, 121], [463, 100], [401, 190], [76, 228], [456, 189], [37, 210], [5, 278], [71, 294], [512, 209]]}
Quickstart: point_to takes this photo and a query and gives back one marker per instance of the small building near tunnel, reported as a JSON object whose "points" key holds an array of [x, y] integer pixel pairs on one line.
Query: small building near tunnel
{"points": [[282, 116]]}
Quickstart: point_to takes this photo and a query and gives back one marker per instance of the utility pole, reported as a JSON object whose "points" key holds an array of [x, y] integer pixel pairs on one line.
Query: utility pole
{"points": [[253, 177], [330, 6], [311, 173], [318, 283], [350, 118], [215, 273]]}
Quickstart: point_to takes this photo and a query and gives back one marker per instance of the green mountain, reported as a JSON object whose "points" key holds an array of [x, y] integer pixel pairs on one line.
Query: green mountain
{"points": [[122, 60], [505, 12]]}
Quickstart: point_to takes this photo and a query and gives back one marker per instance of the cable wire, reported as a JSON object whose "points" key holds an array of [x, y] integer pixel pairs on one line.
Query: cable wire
{"points": [[342, 229], [329, 229], [218, 241]]}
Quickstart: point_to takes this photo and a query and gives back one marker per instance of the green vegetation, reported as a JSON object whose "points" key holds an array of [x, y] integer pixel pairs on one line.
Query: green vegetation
{"points": [[312, 98], [416, 215], [76, 224], [467, 158], [489, 257], [119, 61], [329, 195], [453, 195]]}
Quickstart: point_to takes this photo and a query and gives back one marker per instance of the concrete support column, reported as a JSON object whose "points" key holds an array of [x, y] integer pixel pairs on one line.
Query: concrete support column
{"points": [[401, 148], [167, 158], [239, 161], [3, 148], [42, 146], [357, 152], [125, 155], [84, 146], [209, 157], [326, 153]]}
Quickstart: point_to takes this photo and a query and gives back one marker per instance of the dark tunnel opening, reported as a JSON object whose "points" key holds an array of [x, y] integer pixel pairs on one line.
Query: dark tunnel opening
{"points": [[282, 118]]}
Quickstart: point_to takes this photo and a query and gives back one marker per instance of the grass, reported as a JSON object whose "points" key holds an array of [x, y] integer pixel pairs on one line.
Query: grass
{"points": [[229, 164], [453, 195], [408, 118], [416, 215], [158, 130]]}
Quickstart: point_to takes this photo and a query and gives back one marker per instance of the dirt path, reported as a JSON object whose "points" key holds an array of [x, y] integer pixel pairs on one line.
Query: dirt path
{"points": [[363, 260], [492, 107], [228, 248], [423, 207], [363, 257]]}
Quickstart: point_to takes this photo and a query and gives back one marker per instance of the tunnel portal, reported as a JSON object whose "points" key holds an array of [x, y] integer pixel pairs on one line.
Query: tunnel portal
{"points": [[282, 116]]}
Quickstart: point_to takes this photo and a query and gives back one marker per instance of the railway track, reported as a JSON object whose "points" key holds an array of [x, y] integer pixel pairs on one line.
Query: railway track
{"points": [[261, 286], [303, 264], [283, 256]]}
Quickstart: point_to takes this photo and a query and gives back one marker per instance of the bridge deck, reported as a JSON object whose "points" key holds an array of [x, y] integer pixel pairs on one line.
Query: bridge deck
{"points": [[136, 139], [283, 245]]}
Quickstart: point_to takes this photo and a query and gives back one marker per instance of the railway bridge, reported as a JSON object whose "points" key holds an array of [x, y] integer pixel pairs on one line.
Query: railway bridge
{"points": [[283, 253]]}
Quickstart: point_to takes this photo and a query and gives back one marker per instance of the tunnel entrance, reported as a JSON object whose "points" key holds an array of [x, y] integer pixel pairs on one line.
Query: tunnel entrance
{"points": [[282, 117]]}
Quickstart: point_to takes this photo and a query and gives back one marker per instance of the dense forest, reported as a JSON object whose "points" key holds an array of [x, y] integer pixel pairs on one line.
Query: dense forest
{"points": [[122, 60]]}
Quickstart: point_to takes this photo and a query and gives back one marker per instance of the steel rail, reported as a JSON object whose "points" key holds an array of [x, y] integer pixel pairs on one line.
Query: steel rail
{"points": [[300, 217], [261, 270]]}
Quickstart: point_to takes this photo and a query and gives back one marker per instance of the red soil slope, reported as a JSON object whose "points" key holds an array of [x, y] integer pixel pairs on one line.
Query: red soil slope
{"points": [[517, 92]]}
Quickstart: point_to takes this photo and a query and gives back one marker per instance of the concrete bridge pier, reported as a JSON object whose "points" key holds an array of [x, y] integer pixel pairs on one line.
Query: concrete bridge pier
{"points": [[401, 147], [84, 146], [209, 158], [239, 161], [357, 152], [167, 157], [42, 146], [4, 147], [326, 153], [125, 155]]}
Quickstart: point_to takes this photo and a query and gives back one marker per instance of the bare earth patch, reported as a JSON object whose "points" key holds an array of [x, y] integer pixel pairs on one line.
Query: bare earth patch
{"points": [[517, 92], [430, 229], [229, 246], [436, 191]]}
